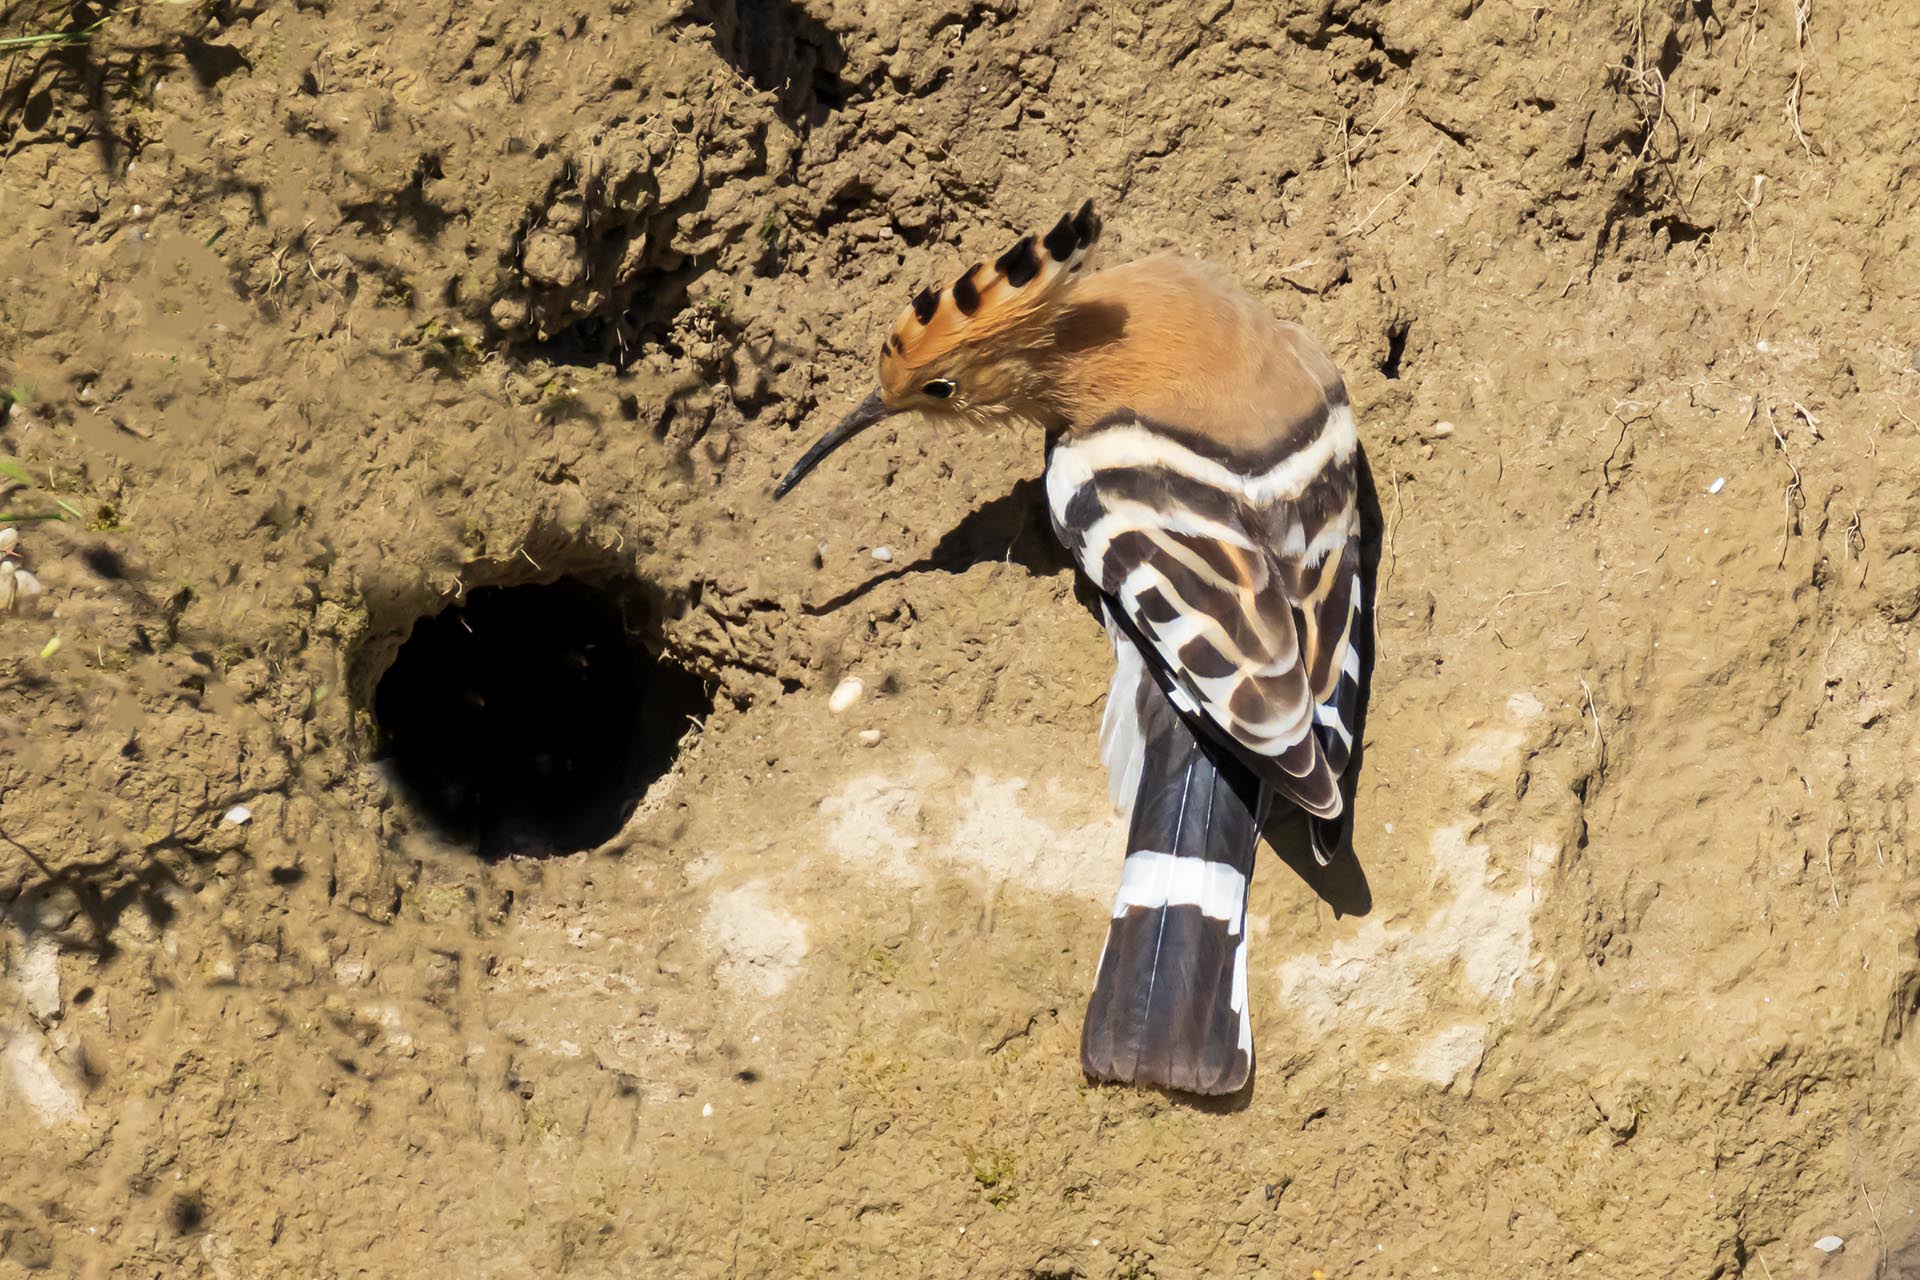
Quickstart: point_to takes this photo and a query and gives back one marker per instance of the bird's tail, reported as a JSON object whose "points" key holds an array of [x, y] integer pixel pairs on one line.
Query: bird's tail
{"points": [[1169, 1003]]}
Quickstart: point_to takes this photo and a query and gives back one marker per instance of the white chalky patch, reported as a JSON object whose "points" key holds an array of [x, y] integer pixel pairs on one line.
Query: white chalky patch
{"points": [[33, 1079], [1492, 752], [1450, 1057], [875, 822], [1395, 977], [38, 974], [1524, 706], [760, 945], [1001, 833], [1497, 751]]}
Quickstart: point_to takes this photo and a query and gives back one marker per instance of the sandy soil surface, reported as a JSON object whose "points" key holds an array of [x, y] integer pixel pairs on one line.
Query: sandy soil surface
{"points": [[318, 317]]}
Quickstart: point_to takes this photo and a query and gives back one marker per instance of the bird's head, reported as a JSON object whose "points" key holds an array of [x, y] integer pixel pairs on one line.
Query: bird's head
{"points": [[978, 349]]}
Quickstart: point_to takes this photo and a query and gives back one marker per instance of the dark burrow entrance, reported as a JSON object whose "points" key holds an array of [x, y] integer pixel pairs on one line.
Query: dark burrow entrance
{"points": [[530, 719]]}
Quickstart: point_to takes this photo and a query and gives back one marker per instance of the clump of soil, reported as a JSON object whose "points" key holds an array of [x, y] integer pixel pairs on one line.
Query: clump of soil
{"points": [[317, 321]]}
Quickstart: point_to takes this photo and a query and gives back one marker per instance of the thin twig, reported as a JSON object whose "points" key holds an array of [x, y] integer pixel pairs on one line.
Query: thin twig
{"points": [[1793, 111], [1599, 736], [1393, 560], [1794, 490], [1513, 595], [1411, 178], [1833, 886], [1802, 19], [1878, 1232]]}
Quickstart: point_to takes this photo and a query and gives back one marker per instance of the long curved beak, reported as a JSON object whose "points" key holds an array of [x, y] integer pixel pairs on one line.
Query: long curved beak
{"points": [[864, 415]]}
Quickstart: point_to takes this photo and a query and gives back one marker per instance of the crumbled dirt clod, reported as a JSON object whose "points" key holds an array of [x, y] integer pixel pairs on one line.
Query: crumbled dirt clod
{"points": [[374, 307]]}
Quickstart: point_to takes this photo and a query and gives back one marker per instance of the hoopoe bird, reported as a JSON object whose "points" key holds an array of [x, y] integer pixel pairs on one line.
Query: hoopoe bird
{"points": [[1201, 470]]}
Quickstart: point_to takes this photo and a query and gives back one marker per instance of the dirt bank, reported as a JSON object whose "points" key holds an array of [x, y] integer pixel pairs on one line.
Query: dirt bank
{"points": [[318, 318]]}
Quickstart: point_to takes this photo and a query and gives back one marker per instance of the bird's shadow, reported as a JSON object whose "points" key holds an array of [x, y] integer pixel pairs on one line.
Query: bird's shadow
{"points": [[1012, 529]]}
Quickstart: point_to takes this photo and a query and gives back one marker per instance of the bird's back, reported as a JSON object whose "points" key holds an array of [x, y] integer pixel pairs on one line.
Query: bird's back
{"points": [[1187, 347]]}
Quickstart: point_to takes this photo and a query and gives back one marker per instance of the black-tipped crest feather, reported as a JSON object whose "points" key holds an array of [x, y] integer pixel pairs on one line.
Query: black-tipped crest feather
{"points": [[925, 303], [1020, 263], [1062, 240], [966, 295]]}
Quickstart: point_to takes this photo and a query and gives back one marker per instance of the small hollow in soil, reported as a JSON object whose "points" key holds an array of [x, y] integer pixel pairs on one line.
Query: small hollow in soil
{"points": [[529, 719]]}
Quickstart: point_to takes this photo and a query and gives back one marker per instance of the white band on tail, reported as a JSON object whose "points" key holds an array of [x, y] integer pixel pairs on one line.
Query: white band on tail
{"points": [[1152, 879]]}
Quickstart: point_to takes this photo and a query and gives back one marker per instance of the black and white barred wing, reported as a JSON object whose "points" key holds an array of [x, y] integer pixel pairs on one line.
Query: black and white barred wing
{"points": [[1240, 588]]}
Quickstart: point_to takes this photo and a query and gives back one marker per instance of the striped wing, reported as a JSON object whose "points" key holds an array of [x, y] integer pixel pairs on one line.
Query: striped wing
{"points": [[1238, 580]]}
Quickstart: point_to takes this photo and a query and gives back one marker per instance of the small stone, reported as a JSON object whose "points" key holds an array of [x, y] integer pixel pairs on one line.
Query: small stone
{"points": [[845, 694], [1439, 430], [882, 554], [27, 585], [677, 178], [870, 737], [1829, 1244], [509, 312], [569, 213], [707, 1109], [1719, 483], [553, 259], [9, 539], [238, 816]]}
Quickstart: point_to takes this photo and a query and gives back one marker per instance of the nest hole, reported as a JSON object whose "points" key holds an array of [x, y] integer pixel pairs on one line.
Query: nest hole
{"points": [[530, 719]]}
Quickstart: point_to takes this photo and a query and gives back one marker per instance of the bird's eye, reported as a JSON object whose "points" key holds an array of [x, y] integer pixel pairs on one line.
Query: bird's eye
{"points": [[939, 388]]}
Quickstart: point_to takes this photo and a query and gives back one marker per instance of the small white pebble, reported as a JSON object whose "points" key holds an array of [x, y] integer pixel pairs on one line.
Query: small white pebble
{"points": [[707, 1110], [870, 737], [9, 539], [1718, 484], [1762, 346], [26, 583], [137, 211], [845, 694], [882, 554], [239, 815], [1440, 430], [1829, 1244]]}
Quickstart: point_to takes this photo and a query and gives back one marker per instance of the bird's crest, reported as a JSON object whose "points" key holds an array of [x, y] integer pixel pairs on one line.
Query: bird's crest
{"points": [[988, 299]]}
